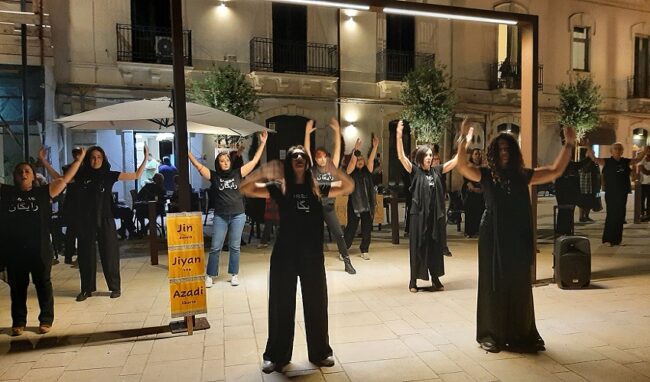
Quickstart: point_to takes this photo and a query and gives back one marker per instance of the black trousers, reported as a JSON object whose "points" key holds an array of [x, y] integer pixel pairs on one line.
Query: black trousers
{"points": [[19, 267], [333, 224], [70, 242], [351, 229], [615, 218], [282, 306], [106, 238], [645, 198]]}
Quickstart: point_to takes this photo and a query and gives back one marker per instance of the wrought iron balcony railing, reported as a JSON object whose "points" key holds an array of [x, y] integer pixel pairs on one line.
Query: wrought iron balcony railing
{"points": [[278, 56], [146, 44], [505, 75], [393, 65]]}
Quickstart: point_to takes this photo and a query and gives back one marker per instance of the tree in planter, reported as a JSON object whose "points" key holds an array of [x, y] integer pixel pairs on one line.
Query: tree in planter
{"points": [[226, 89], [579, 102], [429, 101]]}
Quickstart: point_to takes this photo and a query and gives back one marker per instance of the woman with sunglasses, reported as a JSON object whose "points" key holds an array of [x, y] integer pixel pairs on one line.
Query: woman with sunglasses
{"points": [[229, 215], [25, 213], [361, 204], [297, 252], [323, 171]]}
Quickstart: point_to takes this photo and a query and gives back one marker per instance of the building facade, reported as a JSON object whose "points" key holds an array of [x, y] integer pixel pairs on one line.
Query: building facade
{"points": [[310, 62]]}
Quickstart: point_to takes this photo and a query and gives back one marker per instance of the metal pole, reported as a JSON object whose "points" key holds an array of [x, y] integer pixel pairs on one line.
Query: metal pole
{"points": [[23, 73], [180, 113]]}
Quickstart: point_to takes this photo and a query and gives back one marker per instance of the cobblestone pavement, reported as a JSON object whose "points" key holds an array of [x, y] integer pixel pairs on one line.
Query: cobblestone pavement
{"points": [[378, 330]]}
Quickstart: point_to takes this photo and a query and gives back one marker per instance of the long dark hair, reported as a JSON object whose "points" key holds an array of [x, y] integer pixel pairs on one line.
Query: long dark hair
{"points": [[290, 176], [515, 165], [105, 165], [471, 155]]}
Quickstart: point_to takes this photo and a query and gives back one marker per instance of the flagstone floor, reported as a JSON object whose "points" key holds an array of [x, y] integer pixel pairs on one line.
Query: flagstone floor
{"points": [[378, 330]]}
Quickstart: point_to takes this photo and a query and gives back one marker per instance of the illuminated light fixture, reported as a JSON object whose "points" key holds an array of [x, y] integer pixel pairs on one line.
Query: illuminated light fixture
{"points": [[450, 16], [325, 3]]}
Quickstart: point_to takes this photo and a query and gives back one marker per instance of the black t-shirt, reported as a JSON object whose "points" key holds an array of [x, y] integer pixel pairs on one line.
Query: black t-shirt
{"points": [[324, 181], [225, 188], [617, 175], [301, 221], [95, 191], [26, 218]]}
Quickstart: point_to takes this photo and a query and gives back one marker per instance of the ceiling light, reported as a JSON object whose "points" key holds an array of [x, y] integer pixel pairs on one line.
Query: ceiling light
{"points": [[450, 16], [335, 4]]}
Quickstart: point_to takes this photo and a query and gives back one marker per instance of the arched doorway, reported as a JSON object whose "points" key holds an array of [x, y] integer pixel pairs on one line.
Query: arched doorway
{"points": [[398, 178], [639, 139], [290, 131], [510, 128]]}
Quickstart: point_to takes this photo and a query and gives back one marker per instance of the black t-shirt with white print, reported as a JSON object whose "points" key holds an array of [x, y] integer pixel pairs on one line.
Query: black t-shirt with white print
{"points": [[225, 188], [26, 219], [324, 181], [301, 221]]}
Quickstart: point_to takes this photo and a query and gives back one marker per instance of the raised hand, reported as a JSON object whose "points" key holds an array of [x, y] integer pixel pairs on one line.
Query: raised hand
{"points": [[264, 135], [82, 154], [375, 141], [42, 154], [357, 144], [146, 152], [400, 129], [334, 124], [466, 130], [569, 135], [309, 127]]}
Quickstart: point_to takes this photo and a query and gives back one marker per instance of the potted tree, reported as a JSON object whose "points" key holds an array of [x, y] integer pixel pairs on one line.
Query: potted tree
{"points": [[579, 102], [429, 102]]}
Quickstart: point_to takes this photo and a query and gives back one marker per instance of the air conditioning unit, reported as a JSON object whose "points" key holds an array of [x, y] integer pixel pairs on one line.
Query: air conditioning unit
{"points": [[164, 50]]}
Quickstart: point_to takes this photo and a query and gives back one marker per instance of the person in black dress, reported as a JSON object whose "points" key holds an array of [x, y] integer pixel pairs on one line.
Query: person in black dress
{"points": [[474, 202], [616, 177], [324, 169], [25, 212], [427, 213], [505, 312], [361, 203], [97, 225], [297, 252]]}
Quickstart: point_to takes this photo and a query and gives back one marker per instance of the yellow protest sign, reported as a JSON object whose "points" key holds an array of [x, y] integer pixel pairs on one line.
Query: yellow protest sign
{"points": [[186, 262], [184, 228], [187, 297]]}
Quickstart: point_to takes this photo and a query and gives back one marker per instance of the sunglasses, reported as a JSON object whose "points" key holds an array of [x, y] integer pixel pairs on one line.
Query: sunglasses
{"points": [[298, 154]]}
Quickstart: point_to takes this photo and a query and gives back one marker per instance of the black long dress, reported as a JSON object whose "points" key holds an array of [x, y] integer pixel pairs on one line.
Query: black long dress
{"points": [[616, 174], [427, 214], [474, 207], [505, 313]]}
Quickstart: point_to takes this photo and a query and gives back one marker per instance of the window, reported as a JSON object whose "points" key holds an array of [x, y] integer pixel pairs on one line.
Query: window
{"points": [[580, 49]]}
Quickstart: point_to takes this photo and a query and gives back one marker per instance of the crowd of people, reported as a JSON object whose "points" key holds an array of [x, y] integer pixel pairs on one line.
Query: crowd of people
{"points": [[300, 197]]}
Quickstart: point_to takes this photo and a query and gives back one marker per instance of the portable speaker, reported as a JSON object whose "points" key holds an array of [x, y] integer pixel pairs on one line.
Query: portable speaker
{"points": [[572, 262]]}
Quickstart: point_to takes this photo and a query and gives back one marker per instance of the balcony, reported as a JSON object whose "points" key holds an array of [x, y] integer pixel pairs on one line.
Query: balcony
{"points": [[393, 65], [508, 76], [293, 57], [152, 45]]}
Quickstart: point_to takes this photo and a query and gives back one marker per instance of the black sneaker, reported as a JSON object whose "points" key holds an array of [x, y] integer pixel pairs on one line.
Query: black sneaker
{"points": [[446, 252]]}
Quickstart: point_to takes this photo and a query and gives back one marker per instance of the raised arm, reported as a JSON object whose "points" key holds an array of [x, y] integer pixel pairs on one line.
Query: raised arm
{"points": [[550, 173], [204, 171], [352, 163], [346, 184], [248, 167], [590, 154], [42, 155], [373, 153], [138, 173], [336, 154], [451, 164], [401, 155], [58, 185], [309, 128], [470, 172]]}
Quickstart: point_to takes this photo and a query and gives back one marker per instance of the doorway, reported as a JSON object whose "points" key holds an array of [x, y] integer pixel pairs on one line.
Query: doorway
{"points": [[290, 131]]}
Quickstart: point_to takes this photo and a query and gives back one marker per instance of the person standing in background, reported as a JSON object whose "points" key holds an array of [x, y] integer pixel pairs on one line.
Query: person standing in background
{"points": [[168, 171]]}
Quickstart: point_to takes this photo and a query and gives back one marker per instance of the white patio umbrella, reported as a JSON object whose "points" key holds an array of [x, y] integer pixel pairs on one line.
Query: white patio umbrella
{"points": [[157, 114]]}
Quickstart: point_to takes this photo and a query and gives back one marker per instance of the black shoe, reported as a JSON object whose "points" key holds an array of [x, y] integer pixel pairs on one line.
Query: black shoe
{"points": [[436, 284], [348, 266], [115, 294], [83, 296], [327, 362], [490, 347], [268, 367], [446, 252]]}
